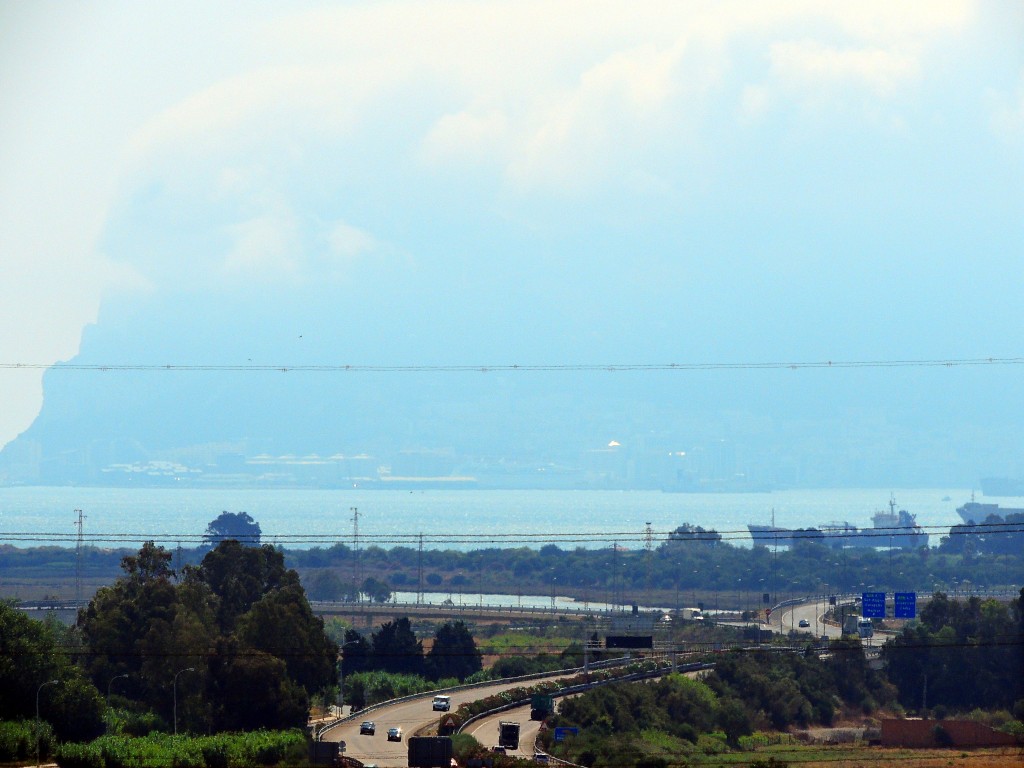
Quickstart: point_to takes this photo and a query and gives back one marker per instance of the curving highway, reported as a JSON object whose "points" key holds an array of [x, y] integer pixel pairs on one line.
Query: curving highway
{"points": [[411, 716]]}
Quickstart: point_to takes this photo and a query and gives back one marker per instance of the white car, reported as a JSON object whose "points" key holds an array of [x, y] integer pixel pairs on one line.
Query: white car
{"points": [[442, 703]]}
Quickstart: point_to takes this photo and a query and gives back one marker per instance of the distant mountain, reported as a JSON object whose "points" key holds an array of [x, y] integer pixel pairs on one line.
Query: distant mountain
{"points": [[659, 429]]}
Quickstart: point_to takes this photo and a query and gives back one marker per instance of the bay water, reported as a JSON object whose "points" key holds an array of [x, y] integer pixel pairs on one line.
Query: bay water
{"points": [[443, 519]]}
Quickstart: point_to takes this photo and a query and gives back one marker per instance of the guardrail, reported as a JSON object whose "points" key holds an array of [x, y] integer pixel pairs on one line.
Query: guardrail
{"points": [[573, 610], [573, 689], [325, 727]]}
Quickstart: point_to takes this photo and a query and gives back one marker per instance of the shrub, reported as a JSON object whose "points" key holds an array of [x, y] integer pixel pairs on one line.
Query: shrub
{"points": [[79, 756], [215, 751], [142, 724], [18, 740]]}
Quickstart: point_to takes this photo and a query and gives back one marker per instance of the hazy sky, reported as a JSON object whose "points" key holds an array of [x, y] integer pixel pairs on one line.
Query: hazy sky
{"points": [[788, 180]]}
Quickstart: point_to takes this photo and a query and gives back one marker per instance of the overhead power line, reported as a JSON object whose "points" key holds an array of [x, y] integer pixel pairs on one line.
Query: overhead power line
{"points": [[412, 540], [1000, 640], [516, 367]]}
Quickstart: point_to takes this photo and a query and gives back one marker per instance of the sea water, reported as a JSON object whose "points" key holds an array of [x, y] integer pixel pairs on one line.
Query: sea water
{"points": [[443, 519]]}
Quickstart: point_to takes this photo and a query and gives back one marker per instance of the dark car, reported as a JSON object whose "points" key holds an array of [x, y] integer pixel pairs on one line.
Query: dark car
{"points": [[367, 728], [804, 623], [394, 734]]}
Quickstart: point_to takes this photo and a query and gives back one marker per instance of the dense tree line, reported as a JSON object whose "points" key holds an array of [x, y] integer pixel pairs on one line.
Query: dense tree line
{"points": [[34, 653], [994, 536], [233, 641], [961, 654], [746, 692], [394, 649], [687, 560]]}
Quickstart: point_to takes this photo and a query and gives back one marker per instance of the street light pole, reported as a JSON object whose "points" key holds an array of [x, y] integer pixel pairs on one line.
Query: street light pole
{"points": [[110, 683], [38, 691], [116, 677], [175, 686]]}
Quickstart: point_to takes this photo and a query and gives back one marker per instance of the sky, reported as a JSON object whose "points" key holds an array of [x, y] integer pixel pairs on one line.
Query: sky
{"points": [[512, 182]]}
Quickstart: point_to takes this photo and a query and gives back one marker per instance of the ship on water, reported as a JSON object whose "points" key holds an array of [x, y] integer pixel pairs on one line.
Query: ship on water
{"points": [[975, 512], [892, 529], [765, 535], [896, 529]]}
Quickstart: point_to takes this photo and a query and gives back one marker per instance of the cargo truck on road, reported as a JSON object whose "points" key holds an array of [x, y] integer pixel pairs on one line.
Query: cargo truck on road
{"points": [[508, 734]]}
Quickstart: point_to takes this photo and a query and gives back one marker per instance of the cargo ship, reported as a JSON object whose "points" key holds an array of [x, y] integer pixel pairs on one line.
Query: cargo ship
{"points": [[763, 535], [974, 512], [895, 529]]}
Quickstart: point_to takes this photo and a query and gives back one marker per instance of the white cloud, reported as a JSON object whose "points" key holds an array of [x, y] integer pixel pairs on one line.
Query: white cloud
{"points": [[349, 243], [811, 65], [467, 137], [266, 249], [754, 102], [1007, 114]]}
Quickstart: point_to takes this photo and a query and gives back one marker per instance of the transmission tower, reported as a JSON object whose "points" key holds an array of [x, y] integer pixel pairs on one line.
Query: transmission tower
{"points": [[648, 549], [79, 541], [355, 546], [615, 575], [419, 573]]}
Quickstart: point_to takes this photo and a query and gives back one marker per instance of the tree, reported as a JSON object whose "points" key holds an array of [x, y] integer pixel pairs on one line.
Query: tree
{"points": [[128, 628], [396, 649], [957, 656], [688, 701], [377, 591], [239, 576], [355, 653], [283, 625], [252, 690], [325, 584], [237, 619], [453, 654], [695, 533], [239, 526], [31, 654]]}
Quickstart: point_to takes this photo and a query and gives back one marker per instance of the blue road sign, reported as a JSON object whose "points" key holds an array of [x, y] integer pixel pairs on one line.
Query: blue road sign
{"points": [[872, 605], [906, 605], [561, 733]]}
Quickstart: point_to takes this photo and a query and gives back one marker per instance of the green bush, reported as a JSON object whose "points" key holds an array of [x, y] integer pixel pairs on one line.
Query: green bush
{"points": [[216, 750], [142, 723], [237, 750], [79, 756], [126, 752], [260, 748], [18, 740]]}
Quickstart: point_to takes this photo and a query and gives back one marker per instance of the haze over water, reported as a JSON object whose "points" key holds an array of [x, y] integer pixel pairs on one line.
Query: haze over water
{"points": [[38, 516]]}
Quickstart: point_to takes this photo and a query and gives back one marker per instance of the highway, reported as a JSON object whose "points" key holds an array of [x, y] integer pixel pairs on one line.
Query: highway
{"points": [[789, 617], [410, 716], [485, 730]]}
